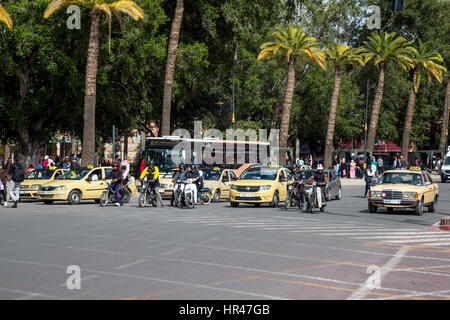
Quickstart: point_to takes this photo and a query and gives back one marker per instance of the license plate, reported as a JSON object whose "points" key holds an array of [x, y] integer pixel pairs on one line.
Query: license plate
{"points": [[44, 192], [392, 201], [247, 195]]}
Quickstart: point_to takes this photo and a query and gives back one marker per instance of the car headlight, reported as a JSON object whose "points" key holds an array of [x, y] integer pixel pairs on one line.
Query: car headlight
{"points": [[60, 188], [233, 187], [35, 187], [375, 194], [263, 188], [410, 195]]}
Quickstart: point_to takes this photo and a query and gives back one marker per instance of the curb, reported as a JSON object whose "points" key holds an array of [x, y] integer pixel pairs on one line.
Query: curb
{"points": [[437, 226]]}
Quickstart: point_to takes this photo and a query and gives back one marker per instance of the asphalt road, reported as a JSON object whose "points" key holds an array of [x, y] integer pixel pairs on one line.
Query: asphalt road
{"points": [[219, 252]]}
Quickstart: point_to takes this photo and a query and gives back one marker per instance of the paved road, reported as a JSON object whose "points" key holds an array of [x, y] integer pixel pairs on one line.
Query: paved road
{"points": [[219, 252]]}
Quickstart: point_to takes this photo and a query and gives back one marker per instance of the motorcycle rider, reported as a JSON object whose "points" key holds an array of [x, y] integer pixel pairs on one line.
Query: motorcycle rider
{"points": [[194, 176], [299, 176], [152, 172], [117, 177], [321, 178], [180, 175]]}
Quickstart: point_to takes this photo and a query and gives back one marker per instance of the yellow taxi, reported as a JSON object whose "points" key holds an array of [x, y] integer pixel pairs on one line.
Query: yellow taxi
{"points": [[166, 185], [29, 188], [79, 184], [404, 189], [219, 181], [261, 184]]}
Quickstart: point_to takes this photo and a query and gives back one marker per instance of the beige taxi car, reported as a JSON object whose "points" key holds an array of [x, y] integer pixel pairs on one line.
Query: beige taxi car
{"points": [[404, 189], [219, 181]]}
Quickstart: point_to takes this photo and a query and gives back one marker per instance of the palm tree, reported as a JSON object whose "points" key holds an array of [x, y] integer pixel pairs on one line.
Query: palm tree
{"points": [[424, 60], [341, 55], [170, 67], [384, 48], [291, 44], [96, 7], [5, 17]]}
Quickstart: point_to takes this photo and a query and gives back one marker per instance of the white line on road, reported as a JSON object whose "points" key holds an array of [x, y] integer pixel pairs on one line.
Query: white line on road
{"points": [[378, 233], [172, 251], [407, 237], [131, 264], [418, 241]]}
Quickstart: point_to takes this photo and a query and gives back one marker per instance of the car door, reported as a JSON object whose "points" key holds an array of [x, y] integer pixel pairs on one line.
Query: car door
{"points": [[282, 180], [94, 185], [225, 184], [429, 197], [434, 185]]}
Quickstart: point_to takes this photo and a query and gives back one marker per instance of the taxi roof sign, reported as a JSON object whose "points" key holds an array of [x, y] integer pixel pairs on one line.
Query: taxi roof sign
{"points": [[415, 169], [90, 166], [52, 168]]}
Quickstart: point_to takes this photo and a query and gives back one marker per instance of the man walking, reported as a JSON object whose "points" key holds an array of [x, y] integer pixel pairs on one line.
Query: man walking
{"points": [[17, 173]]}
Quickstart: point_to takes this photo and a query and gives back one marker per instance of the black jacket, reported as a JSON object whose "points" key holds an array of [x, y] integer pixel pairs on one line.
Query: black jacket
{"points": [[115, 175]]}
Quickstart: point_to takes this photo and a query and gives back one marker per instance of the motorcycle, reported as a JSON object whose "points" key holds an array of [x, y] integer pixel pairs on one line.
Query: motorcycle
{"points": [[108, 196], [147, 195], [185, 194], [314, 198], [205, 195], [293, 198]]}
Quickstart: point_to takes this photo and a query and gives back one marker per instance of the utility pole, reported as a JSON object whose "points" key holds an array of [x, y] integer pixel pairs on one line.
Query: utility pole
{"points": [[365, 121], [234, 76], [114, 144]]}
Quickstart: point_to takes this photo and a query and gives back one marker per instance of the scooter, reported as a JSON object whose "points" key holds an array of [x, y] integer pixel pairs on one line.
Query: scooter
{"points": [[147, 195], [185, 194], [295, 196], [314, 199], [108, 196]]}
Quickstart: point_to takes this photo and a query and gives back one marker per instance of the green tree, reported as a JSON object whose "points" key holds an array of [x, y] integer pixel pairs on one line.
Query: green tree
{"points": [[384, 48], [424, 59], [96, 8], [340, 55], [291, 44]]}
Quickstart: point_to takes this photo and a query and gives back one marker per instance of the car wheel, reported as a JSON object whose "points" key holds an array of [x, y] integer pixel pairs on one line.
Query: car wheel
{"points": [[207, 197], [216, 196], [48, 201], [328, 197], [274, 202], [339, 195], [443, 180], [126, 196], [74, 197], [432, 207], [372, 208], [419, 208], [234, 204]]}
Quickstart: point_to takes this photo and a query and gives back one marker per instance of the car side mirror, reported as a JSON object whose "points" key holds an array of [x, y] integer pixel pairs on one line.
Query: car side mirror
{"points": [[89, 179]]}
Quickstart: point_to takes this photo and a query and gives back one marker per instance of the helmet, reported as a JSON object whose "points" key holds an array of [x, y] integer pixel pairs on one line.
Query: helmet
{"points": [[294, 166], [181, 167], [152, 163], [115, 165], [319, 166], [193, 167], [124, 167]]}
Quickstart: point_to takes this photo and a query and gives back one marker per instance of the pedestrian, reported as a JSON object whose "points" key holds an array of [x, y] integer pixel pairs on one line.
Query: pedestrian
{"points": [[402, 164], [352, 169], [74, 164], [368, 176], [380, 165], [127, 163], [45, 163], [17, 173], [3, 182], [29, 168]]}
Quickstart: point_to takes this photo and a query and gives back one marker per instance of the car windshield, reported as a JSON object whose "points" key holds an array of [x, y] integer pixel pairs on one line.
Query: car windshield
{"points": [[41, 174], [401, 178], [447, 161], [74, 174], [260, 173], [211, 175]]}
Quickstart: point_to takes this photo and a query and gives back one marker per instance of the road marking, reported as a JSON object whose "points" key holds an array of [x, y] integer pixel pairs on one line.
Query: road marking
{"points": [[365, 288], [172, 251], [417, 240], [92, 276], [131, 264], [379, 233], [404, 237]]}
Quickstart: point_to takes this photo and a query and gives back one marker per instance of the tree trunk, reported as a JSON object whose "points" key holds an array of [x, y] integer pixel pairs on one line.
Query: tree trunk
{"points": [[443, 139], [332, 119], [170, 67], [286, 111], [376, 109], [408, 124], [88, 152], [28, 147]]}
